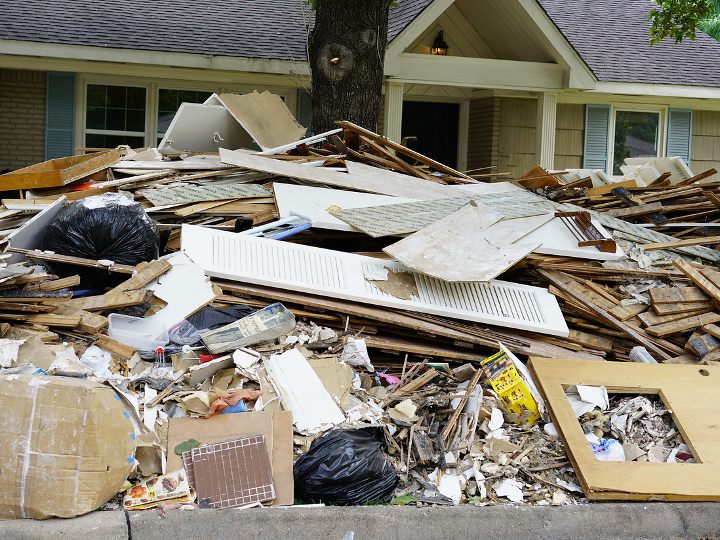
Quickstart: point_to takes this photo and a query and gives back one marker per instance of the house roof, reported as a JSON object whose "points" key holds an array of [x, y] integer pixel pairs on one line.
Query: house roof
{"points": [[270, 29], [612, 37]]}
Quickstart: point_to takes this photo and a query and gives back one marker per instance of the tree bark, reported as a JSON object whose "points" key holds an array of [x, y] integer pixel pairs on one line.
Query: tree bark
{"points": [[346, 50]]}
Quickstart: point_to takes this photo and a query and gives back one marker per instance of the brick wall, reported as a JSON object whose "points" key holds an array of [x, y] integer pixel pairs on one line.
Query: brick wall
{"points": [[22, 118]]}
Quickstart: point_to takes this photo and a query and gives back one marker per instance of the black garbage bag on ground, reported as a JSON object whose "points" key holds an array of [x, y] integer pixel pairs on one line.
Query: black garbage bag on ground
{"points": [[345, 467], [103, 227]]}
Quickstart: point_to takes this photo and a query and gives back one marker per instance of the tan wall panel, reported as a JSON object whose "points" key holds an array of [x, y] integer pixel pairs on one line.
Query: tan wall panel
{"points": [[22, 118], [518, 112], [570, 116], [483, 129], [706, 123]]}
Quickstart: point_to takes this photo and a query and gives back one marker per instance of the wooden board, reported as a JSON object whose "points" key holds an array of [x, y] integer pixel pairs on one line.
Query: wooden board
{"points": [[669, 295], [679, 386], [680, 307], [683, 324], [472, 244]]}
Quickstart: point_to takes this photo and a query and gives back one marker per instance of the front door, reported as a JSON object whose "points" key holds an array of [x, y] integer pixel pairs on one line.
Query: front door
{"points": [[435, 128]]}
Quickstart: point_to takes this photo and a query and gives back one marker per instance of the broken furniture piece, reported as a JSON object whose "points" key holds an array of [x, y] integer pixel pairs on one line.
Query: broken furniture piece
{"points": [[580, 224]]}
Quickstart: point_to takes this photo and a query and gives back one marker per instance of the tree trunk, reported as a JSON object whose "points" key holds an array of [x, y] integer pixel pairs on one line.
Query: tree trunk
{"points": [[347, 55]]}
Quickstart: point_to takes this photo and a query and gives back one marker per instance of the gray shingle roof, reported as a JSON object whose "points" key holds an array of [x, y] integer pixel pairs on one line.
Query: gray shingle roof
{"points": [[270, 29], [611, 36]]}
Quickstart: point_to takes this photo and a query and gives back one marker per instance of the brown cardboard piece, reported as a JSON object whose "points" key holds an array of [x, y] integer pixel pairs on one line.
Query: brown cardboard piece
{"points": [[67, 446], [276, 426]]}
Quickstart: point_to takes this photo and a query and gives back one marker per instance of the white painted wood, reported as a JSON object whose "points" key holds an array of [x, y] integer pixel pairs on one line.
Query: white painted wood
{"points": [[556, 239], [676, 166], [342, 275], [309, 140], [184, 287], [479, 72], [30, 234], [197, 127], [472, 244], [545, 130], [196, 163], [393, 111], [302, 392], [317, 203], [359, 176]]}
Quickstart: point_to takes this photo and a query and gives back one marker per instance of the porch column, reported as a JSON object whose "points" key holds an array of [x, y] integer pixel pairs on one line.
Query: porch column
{"points": [[545, 130], [392, 126]]}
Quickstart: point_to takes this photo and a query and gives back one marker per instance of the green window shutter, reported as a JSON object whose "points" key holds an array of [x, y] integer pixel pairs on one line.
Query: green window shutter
{"points": [[679, 134], [304, 108], [60, 115], [597, 131]]}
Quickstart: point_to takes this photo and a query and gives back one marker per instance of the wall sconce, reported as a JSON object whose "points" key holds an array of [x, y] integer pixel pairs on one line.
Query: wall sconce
{"points": [[439, 46]]}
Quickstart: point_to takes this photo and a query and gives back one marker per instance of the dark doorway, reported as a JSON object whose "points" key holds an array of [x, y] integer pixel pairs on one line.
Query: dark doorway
{"points": [[436, 127]]}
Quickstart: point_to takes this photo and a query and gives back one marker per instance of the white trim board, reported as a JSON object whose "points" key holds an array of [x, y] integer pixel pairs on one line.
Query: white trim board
{"points": [[342, 275], [30, 235], [317, 203], [556, 239]]}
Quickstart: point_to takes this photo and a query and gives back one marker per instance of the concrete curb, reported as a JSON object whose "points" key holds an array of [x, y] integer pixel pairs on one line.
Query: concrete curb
{"points": [[616, 521]]}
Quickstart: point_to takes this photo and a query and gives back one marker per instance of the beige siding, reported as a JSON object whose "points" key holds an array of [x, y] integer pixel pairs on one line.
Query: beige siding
{"points": [[516, 146], [705, 144], [569, 136], [22, 118], [483, 134]]}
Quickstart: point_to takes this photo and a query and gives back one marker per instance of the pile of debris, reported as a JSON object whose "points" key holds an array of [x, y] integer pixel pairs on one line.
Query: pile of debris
{"points": [[340, 293]]}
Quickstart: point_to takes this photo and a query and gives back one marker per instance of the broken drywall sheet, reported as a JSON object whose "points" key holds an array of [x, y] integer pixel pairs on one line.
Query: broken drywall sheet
{"points": [[396, 283], [303, 393], [472, 244]]}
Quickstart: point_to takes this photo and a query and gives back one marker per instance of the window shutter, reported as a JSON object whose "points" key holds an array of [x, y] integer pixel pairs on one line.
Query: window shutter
{"points": [[679, 134], [597, 131], [304, 108], [60, 115]]}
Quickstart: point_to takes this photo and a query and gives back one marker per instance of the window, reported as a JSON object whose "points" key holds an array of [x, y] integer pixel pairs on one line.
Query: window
{"points": [[636, 135], [169, 102], [115, 115]]}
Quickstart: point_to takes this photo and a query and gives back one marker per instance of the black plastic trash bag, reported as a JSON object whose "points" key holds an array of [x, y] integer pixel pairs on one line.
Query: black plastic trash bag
{"points": [[188, 332], [345, 467], [103, 227]]}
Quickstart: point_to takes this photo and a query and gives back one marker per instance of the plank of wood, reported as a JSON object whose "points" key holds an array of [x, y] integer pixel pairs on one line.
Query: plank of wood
{"points": [[146, 272], [110, 301], [699, 280], [669, 295], [601, 291], [115, 347], [602, 190], [415, 384], [53, 319], [90, 323], [635, 211], [712, 329], [704, 344], [681, 307], [601, 343], [27, 308], [23, 296], [697, 177], [628, 312], [564, 282], [54, 257], [650, 318], [400, 149], [681, 243], [683, 324]]}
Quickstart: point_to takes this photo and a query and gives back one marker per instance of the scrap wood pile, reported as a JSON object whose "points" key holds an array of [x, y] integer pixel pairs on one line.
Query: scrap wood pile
{"points": [[339, 291]]}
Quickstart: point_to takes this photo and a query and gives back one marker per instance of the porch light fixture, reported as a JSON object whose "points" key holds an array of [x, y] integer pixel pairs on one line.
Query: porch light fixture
{"points": [[439, 46]]}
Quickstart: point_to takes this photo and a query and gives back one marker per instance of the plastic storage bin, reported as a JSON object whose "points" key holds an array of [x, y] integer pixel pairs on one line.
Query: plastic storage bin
{"points": [[142, 334]]}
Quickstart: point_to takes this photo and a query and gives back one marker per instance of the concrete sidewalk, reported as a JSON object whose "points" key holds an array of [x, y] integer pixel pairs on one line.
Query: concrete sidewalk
{"points": [[656, 521]]}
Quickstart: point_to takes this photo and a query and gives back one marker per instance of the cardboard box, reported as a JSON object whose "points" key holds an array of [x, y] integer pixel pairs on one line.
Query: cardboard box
{"points": [[506, 381], [67, 446], [276, 426]]}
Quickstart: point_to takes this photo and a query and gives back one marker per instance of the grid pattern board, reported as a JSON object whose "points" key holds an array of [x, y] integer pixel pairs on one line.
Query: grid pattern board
{"points": [[233, 473]]}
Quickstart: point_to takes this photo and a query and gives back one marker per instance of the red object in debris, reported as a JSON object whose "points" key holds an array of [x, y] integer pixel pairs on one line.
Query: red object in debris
{"points": [[207, 357]]}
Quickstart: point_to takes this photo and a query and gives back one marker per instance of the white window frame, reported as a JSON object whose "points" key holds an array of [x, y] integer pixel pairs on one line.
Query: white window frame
{"points": [[663, 111], [152, 86]]}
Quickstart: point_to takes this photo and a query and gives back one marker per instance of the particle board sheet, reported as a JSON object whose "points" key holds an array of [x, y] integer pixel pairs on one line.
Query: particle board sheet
{"points": [[233, 473], [359, 176], [317, 203], [191, 194], [689, 392], [404, 218], [264, 116], [472, 244], [342, 275]]}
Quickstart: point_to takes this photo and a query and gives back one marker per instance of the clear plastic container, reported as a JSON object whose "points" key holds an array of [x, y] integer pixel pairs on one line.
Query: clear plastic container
{"points": [[266, 324], [640, 354], [137, 332]]}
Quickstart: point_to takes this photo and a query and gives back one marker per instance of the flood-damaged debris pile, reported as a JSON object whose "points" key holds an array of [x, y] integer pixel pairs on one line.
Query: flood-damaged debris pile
{"points": [[242, 317]]}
